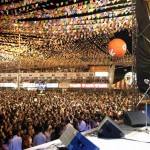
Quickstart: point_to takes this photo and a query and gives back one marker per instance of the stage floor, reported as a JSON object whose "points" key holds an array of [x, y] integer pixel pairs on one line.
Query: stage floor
{"points": [[135, 138]]}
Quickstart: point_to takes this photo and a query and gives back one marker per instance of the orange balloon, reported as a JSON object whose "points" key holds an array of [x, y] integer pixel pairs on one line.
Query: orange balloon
{"points": [[117, 48]]}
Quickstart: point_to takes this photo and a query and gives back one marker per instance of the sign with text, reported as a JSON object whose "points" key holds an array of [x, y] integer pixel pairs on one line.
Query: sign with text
{"points": [[88, 85]]}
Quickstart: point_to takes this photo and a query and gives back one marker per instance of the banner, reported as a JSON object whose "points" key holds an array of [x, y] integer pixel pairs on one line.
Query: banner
{"points": [[39, 85], [9, 85], [88, 85], [64, 85]]}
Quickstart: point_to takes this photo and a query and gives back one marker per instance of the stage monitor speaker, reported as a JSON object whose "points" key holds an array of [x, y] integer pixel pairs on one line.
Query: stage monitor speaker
{"points": [[109, 129], [74, 140], [136, 118]]}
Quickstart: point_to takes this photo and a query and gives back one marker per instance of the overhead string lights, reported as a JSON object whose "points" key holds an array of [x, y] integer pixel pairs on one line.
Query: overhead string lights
{"points": [[49, 29]]}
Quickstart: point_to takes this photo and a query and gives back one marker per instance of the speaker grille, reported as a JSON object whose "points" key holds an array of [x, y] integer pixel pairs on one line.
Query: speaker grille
{"points": [[109, 129], [136, 118]]}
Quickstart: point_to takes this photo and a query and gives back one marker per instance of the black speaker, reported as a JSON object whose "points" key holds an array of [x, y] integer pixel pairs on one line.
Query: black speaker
{"points": [[109, 129], [136, 118]]}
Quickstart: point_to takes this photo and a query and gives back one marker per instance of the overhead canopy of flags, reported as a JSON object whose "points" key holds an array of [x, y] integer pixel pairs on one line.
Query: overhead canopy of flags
{"points": [[63, 31]]}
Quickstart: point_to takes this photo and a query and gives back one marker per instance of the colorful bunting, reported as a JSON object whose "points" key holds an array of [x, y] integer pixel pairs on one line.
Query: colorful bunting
{"points": [[65, 25]]}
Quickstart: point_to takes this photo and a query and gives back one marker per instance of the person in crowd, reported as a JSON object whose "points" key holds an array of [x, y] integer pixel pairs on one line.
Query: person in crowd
{"points": [[2, 144], [39, 138], [47, 132], [27, 140], [16, 142], [81, 125], [88, 124]]}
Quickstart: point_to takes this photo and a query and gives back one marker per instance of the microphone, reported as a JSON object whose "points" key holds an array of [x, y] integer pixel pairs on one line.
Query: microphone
{"points": [[147, 81]]}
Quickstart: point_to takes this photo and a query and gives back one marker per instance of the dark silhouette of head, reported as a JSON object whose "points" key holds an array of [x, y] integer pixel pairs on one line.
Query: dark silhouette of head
{"points": [[15, 131]]}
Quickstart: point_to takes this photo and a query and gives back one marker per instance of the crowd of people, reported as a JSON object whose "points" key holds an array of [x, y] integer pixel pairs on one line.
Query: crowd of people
{"points": [[26, 116], [56, 80]]}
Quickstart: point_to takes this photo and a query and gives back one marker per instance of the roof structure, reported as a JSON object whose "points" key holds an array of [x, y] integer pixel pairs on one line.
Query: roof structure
{"points": [[71, 33]]}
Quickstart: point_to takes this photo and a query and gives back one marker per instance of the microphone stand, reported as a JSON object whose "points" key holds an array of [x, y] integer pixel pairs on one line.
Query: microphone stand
{"points": [[144, 95], [146, 125], [144, 30], [141, 34], [146, 118]]}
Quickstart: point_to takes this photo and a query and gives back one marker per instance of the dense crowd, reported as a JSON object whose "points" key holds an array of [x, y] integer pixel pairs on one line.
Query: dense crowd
{"points": [[26, 114], [56, 80]]}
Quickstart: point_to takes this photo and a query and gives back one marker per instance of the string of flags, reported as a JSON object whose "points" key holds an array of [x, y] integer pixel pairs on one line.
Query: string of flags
{"points": [[60, 25]]}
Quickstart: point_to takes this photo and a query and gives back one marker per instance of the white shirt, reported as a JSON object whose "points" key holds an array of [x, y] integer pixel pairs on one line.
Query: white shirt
{"points": [[82, 126], [39, 138], [15, 143]]}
